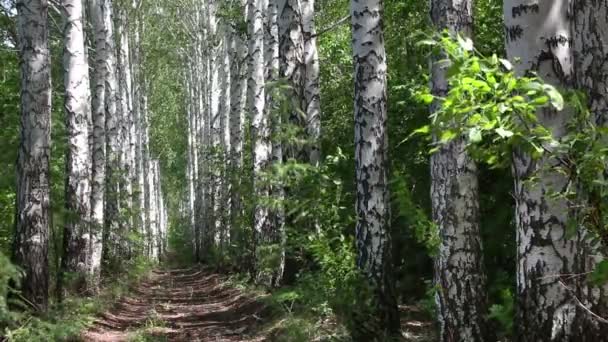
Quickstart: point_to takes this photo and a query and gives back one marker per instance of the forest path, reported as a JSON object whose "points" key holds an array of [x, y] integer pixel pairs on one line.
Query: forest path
{"points": [[181, 305]]}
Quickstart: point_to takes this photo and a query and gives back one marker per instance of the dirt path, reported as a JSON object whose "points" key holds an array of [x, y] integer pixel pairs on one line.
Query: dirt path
{"points": [[181, 305]]}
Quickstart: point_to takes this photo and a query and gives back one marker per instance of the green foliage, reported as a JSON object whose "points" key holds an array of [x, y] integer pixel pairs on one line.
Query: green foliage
{"points": [[497, 112], [491, 106], [9, 276], [418, 222], [503, 313]]}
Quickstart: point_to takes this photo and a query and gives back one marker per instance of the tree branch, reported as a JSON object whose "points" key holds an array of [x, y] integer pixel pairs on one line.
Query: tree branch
{"points": [[331, 27]]}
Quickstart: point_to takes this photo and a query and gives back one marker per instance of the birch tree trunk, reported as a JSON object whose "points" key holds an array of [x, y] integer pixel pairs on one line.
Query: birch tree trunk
{"points": [[459, 273], [237, 121], [140, 199], [590, 32], [371, 168], [292, 67], [153, 213], [260, 132], [312, 87], [273, 96], [539, 35], [127, 153], [112, 234], [98, 169], [190, 176], [31, 244], [224, 232], [146, 163], [77, 232]]}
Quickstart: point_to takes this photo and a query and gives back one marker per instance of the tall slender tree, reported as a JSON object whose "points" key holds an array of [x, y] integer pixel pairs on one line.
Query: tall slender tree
{"points": [[260, 131], [272, 66], [98, 152], [371, 168], [538, 35], [312, 85], [31, 243], [113, 237], [237, 117], [459, 273], [590, 31], [77, 238], [293, 68], [127, 148]]}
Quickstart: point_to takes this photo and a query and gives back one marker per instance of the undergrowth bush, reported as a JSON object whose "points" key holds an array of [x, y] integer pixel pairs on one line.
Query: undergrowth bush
{"points": [[63, 321]]}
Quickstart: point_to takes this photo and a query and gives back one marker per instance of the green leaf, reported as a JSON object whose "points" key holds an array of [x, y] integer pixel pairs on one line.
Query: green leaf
{"points": [[427, 99], [541, 101], [557, 100], [465, 43], [448, 135], [475, 135], [423, 130], [504, 133], [506, 64], [600, 273]]}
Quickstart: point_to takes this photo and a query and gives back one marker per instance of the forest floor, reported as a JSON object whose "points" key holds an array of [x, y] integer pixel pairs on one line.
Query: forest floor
{"points": [[195, 304], [181, 305]]}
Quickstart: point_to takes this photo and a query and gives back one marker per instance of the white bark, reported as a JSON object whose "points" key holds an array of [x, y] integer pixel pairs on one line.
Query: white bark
{"points": [[590, 32], [223, 232], [292, 67], [260, 129], [140, 198], [459, 274], [77, 232], [312, 86], [237, 121], [98, 170], [31, 245], [152, 240], [127, 125], [371, 166], [539, 34], [112, 234]]}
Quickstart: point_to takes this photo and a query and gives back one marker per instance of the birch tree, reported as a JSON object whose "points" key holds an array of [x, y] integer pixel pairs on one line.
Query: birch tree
{"points": [[31, 243], [260, 130], [222, 233], [371, 168], [292, 67], [127, 151], [590, 31], [312, 88], [539, 36], [140, 196], [98, 169], [77, 233], [237, 116], [272, 68], [459, 275]]}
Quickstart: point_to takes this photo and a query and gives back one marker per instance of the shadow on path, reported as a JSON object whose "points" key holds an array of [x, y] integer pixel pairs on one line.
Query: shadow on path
{"points": [[182, 305]]}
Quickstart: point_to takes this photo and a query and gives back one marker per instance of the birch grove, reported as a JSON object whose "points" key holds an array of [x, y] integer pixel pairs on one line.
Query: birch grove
{"points": [[382, 170]]}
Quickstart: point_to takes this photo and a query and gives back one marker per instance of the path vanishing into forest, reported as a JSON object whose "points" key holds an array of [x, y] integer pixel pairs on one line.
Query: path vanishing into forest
{"points": [[182, 305], [195, 304]]}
